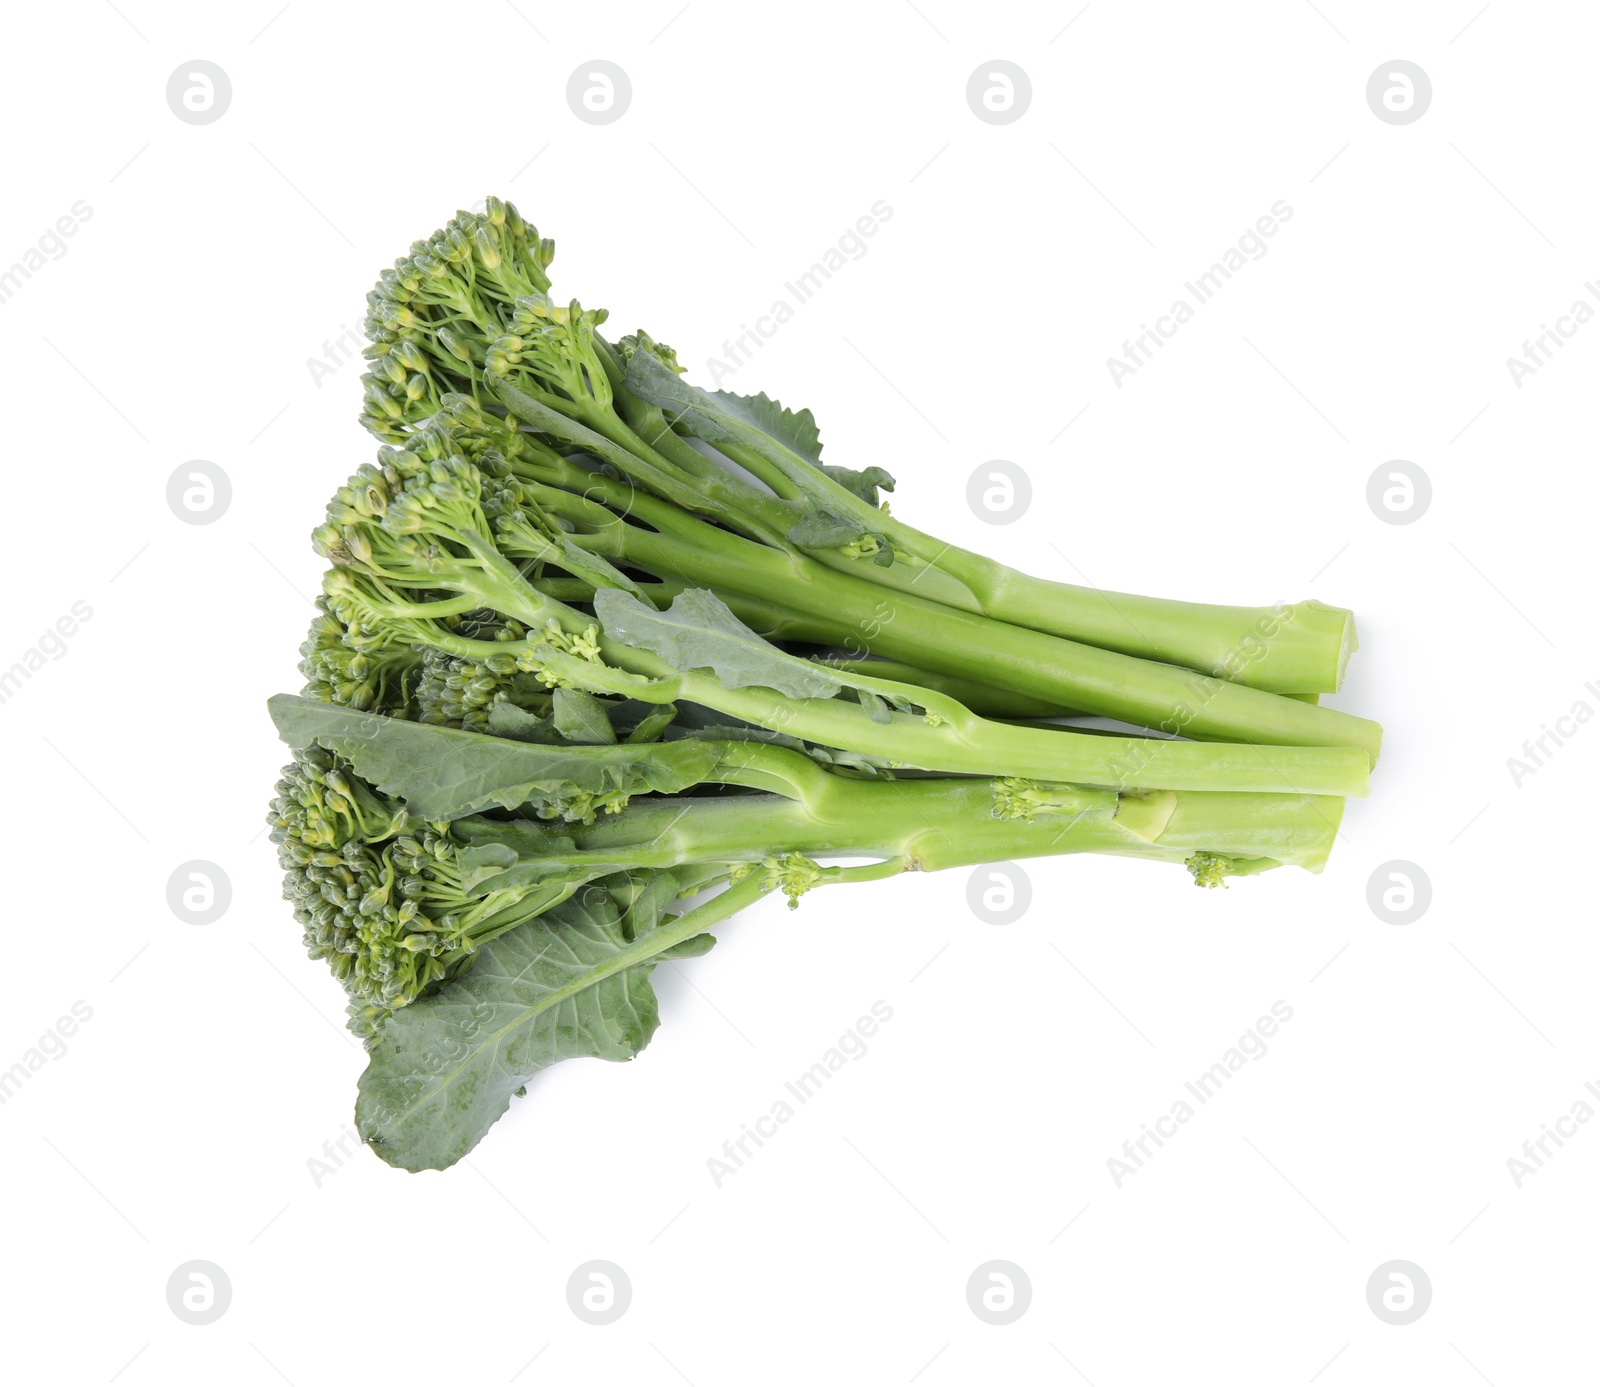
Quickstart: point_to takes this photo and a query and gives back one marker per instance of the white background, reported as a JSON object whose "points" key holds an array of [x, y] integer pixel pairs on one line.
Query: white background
{"points": [[178, 325]]}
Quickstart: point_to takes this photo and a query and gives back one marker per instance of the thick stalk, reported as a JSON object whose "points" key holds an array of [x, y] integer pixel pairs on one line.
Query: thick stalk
{"points": [[958, 743], [1288, 649], [963, 743], [932, 825], [950, 739], [929, 635], [1300, 649]]}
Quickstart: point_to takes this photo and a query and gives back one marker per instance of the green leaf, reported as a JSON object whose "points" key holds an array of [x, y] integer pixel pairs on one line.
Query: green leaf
{"points": [[446, 1067], [650, 727], [443, 773], [643, 900], [864, 483], [699, 632], [796, 431], [785, 439], [721, 416], [506, 719], [594, 568], [823, 530], [718, 417], [690, 948], [566, 986], [581, 717], [876, 708]]}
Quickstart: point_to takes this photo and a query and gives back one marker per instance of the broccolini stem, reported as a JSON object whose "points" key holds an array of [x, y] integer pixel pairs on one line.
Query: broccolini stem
{"points": [[1298, 649], [929, 635], [960, 744], [935, 824]]}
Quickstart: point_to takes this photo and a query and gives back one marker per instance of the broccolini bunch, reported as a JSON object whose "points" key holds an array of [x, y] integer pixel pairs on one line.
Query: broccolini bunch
{"points": [[602, 658]]}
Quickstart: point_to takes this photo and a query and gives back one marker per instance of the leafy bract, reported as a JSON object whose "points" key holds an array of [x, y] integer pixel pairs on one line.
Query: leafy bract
{"points": [[565, 986], [797, 431], [650, 727], [822, 529], [864, 483], [721, 417], [581, 717], [841, 499], [573, 984], [697, 631], [444, 773], [507, 719], [593, 568]]}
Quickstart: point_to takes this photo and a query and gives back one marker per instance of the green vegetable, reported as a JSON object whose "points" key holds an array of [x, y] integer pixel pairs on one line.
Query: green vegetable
{"points": [[602, 658]]}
